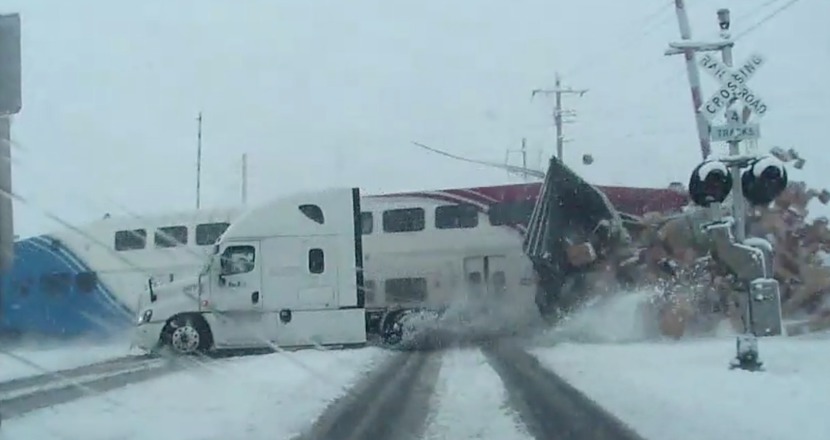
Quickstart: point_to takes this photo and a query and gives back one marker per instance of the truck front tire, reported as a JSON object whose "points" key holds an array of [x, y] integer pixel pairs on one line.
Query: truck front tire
{"points": [[187, 335]]}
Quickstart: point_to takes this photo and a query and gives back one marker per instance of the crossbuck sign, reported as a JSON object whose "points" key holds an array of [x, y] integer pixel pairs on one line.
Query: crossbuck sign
{"points": [[733, 85]]}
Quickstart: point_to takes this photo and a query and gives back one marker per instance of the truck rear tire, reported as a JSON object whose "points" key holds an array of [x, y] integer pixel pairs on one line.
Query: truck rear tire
{"points": [[390, 330]]}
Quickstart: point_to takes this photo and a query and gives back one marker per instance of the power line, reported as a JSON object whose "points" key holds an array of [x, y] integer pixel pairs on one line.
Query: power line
{"points": [[663, 9], [646, 27], [753, 27], [755, 10], [767, 18]]}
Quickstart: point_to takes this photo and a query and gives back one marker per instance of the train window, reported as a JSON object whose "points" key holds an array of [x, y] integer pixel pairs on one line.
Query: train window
{"points": [[406, 289], [511, 213], [130, 240], [456, 216], [208, 233], [314, 212], [170, 236], [238, 259], [86, 282], [55, 283], [369, 288], [403, 220], [367, 222], [316, 260]]}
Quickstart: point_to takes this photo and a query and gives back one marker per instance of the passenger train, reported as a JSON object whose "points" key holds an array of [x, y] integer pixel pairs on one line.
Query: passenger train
{"points": [[419, 250]]}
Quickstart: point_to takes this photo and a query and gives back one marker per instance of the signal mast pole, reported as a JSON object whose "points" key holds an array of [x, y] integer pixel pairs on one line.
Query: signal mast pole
{"points": [[762, 303], [558, 112]]}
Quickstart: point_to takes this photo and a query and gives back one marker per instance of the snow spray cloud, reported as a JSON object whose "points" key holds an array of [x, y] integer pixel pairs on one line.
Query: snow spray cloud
{"points": [[617, 318], [467, 318]]}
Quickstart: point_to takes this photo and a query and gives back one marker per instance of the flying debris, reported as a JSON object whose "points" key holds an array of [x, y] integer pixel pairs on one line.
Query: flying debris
{"points": [[669, 252]]}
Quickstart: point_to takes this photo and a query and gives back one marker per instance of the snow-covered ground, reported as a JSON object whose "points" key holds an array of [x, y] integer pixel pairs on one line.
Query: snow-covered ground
{"points": [[680, 390], [684, 390], [269, 397], [662, 389], [470, 401], [53, 358]]}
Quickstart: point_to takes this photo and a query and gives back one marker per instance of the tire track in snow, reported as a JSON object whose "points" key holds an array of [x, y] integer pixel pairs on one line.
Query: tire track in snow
{"points": [[60, 390], [471, 402], [549, 406], [70, 373], [391, 402]]}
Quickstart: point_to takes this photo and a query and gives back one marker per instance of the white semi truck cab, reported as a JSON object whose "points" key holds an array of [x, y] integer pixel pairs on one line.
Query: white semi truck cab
{"points": [[287, 273]]}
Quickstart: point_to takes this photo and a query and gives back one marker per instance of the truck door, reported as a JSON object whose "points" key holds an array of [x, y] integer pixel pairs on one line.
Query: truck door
{"points": [[319, 290], [301, 273], [236, 295]]}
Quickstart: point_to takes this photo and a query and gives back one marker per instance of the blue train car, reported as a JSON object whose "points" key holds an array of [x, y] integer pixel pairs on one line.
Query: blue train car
{"points": [[88, 282]]}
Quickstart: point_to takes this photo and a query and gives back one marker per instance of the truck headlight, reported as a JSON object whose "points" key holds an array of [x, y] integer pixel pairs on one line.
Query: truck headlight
{"points": [[145, 316]]}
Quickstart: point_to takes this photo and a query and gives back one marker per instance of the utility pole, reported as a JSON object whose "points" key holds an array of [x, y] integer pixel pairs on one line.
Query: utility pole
{"points": [[558, 111], [199, 161], [523, 152], [244, 179], [11, 102], [524, 158], [688, 49]]}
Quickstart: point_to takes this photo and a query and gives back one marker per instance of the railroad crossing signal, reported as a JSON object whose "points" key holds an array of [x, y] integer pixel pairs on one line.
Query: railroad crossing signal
{"points": [[733, 85]]}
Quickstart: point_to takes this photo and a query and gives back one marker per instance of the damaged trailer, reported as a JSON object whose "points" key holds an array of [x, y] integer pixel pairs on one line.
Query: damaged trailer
{"points": [[579, 241]]}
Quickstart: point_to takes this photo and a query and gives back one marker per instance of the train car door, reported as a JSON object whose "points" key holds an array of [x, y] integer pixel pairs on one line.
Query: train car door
{"points": [[486, 276], [474, 277], [496, 276]]}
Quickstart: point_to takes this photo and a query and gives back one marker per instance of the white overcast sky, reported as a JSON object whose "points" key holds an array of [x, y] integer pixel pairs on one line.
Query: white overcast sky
{"points": [[326, 92]]}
